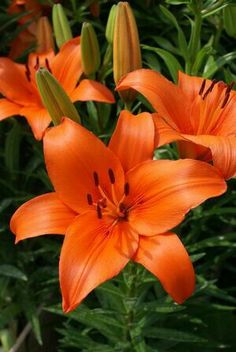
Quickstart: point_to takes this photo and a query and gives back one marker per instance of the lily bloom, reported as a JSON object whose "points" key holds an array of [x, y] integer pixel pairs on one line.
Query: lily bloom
{"points": [[116, 204], [17, 84], [27, 37], [200, 114]]}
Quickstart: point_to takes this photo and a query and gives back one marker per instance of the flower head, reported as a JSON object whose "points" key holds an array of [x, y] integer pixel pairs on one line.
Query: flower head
{"points": [[17, 84], [200, 114], [115, 206]]}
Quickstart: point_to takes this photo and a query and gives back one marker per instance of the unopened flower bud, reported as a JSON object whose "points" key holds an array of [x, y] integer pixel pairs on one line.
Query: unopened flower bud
{"points": [[126, 46], [61, 25], [54, 98], [90, 52], [44, 35], [111, 24], [229, 15]]}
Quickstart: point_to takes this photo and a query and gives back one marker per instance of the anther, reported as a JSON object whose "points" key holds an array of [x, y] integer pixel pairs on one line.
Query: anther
{"points": [[229, 87], [99, 212], [227, 94], [226, 98], [209, 90], [126, 189], [89, 199], [27, 72], [122, 207], [36, 67], [47, 65], [103, 203], [96, 179], [111, 176], [202, 87]]}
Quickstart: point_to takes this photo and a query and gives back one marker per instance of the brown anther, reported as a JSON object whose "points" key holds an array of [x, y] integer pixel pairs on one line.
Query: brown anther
{"points": [[47, 65], [227, 95], [209, 90], [99, 212], [27, 72], [229, 87], [111, 176], [89, 199], [36, 67], [122, 207], [103, 203], [126, 189], [96, 179], [203, 85]]}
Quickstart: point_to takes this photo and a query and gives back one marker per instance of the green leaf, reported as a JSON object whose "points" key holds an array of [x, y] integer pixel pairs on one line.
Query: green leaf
{"points": [[215, 65], [12, 271], [181, 37], [12, 147], [173, 335], [171, 62]]}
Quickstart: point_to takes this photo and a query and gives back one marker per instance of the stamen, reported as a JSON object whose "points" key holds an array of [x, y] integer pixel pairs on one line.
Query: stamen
{"points": [[209, 90], [89, 199], [126, 189], [202, 87], [47, 65], [99, 212], [229, 87], [27, 72], [227, 94], [96, 179], [111, 176], [36, 67], [122, 207], [103, 203]]}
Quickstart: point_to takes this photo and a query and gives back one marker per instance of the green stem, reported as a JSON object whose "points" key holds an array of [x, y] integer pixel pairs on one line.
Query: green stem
{"points": [[130, 303], [195, 40]]}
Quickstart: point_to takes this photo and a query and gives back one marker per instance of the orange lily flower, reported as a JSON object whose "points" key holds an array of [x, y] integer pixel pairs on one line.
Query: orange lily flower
{"points": [[17, 84], [199, 113], [115, 204], [27, 37]]}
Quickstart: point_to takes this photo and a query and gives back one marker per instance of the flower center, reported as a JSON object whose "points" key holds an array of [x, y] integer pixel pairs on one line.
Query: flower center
{"points": [[36, 67], [109, 205], [209, 106]]}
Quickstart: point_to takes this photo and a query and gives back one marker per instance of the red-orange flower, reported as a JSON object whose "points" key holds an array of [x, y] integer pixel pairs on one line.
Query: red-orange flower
{"points": [[199, 113], [17, 84], [115, 204], [27, 37]]}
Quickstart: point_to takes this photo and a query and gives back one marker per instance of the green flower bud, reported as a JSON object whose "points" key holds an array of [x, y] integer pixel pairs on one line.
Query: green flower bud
{"points": [[111, 24], [90, 52], [229, 16], [61, 25], [54, 98]]}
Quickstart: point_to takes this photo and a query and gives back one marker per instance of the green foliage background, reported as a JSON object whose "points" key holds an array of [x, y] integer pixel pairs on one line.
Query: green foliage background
{"points": [[131, 312]]}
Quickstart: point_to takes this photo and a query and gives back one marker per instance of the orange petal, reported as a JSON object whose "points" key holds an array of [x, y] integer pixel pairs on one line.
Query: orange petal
{"points": [[90, 255], [191, 85], [92, 90], [133, 139], [8, 109], [67, 66], [163, 191], [164, 133], [165, 256], [13, 83], [223, 150], [166, 98], [42, 215], [73, 155], [38, 119]]}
